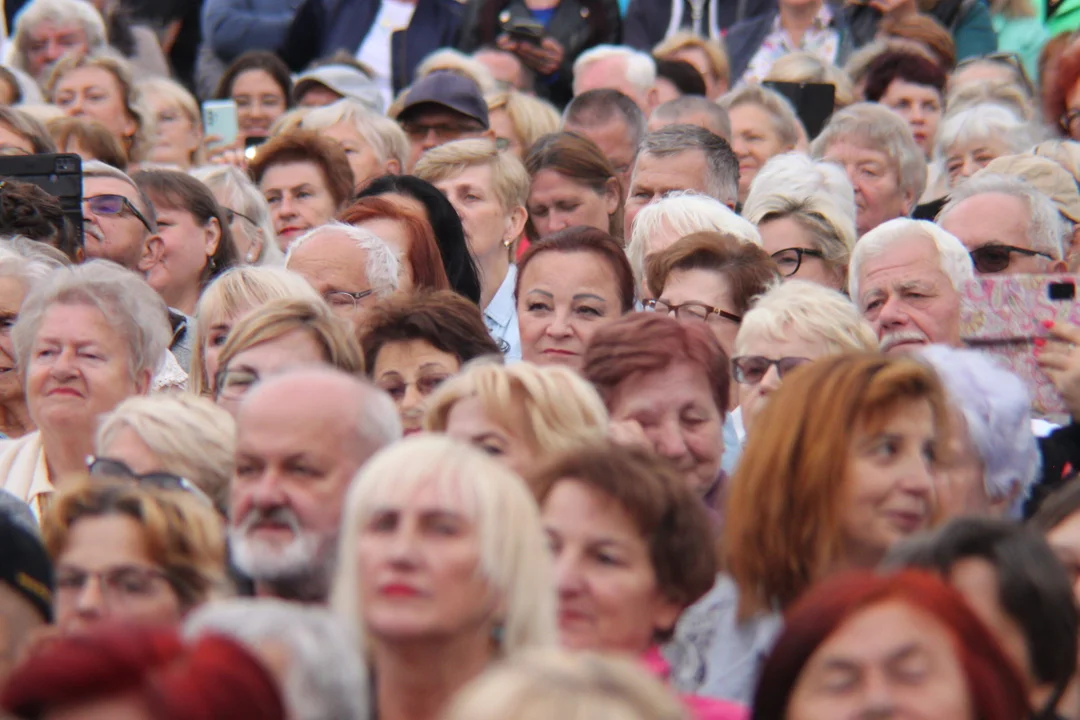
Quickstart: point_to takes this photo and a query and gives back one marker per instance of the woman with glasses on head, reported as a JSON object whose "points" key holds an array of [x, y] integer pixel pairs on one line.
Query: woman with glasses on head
{"points": [[246, 213]]}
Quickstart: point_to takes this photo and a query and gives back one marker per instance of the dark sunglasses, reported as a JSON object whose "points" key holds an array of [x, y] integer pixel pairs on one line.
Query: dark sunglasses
{"points": [[789, 260], [115, 205], [997, 258], [751, 369], [107, 468]]}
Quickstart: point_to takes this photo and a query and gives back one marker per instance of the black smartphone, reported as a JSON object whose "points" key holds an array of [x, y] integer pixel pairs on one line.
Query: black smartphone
{"points": [[813, 102], [60, 175], [526, 31]]}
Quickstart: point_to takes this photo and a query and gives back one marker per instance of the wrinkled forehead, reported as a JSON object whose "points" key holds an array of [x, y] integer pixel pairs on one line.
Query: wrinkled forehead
{"points": [[914, 258]]}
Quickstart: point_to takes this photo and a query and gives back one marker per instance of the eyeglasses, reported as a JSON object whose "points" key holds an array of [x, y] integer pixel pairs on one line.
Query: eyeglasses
{"points": [[424, 385], [997, 258], [110, 469], [690, 311], [120, 585], [115, 205], [751, 369], [443, 133], [789, 260], [345, 301], [232, 384], [231, 215]]}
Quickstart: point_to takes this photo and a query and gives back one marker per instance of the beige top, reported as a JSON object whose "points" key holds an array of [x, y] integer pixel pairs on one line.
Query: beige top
{"points": [[23, 472]]}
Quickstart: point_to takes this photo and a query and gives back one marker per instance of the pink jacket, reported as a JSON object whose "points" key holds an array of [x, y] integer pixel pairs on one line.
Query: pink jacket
{"points": [[701, 708]]}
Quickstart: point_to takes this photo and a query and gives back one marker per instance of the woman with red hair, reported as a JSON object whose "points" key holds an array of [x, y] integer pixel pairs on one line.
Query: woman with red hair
{"points": [[142, 673], [904, 645], [1062, 96]]}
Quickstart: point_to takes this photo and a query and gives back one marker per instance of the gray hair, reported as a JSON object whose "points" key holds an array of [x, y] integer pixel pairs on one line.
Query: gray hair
{"points": [[1046, 229], [722, 167], [673, 110], [954, 258], [997, 410], [878, 128], [601, 106], [786, 123], [237, 192], [986, 121], [27, 260], [326, 678], [61, 12], [383, 264], [127, 302], [640, 68], [386, 138], [96, 168], [796, 176]]}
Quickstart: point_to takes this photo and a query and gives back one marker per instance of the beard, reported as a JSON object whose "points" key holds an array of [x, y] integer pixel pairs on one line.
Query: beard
{"points": [[298, 570]]}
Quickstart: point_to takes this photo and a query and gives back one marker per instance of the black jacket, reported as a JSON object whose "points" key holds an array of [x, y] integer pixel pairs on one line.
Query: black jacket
{"points": [[647, 22], [1060, 452]]}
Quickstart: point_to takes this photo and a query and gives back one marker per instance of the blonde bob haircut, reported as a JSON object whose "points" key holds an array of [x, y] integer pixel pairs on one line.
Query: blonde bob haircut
{"points": [[184, 536], [175, 94], [806, 67], [509, 179], [680, 42], [786, 123], [233, 293], [335, 338], [560, 685], [385, 137], [514, 556], [808, 311], [531, 117], [192, 437]]}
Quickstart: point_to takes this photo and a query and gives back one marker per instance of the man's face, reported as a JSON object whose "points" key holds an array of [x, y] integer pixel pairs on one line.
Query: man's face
{"points": [[431, 126], [996, 219], [48, 42], [334, 265], [120, 238], [878, 195], [614, 140], [654, 177], [610, 73], [907, 298]]}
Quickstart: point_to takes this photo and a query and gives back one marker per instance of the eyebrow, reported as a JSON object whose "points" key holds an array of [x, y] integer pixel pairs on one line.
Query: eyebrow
{"points": [[584, 296], [545, 293]]}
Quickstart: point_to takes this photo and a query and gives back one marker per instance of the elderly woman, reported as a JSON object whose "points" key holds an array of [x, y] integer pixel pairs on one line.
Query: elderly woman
{"points": [[246, 213], [279, 335], [47, 31], [630, 499], [763, 124], [260, 85], [414, 343], [375, 145], [196, 240], [306, 180], [476, 586], [572, 183], [971, 138], [882, 160], [173, 442], [569, 286], [914, 88], [178, 139], [816, 454], [519, 120], [134, 554], [86, 338], [518, 414]]}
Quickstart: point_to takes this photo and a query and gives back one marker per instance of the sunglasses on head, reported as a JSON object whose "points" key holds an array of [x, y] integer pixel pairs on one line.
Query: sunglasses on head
{"points": [[997, 258], [107, 468], [751, 369], [231, 215], [115, 205]]}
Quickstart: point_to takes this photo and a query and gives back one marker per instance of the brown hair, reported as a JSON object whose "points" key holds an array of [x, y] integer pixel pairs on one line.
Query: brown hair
{"points": [[585, 240], [783, 514], [670, 518], [747, 268], [94, 137], [1064, 73], [423, 255], [650, 342], [29, 127], [442, 319], [925, 30], [579, 159], [307, 146]]}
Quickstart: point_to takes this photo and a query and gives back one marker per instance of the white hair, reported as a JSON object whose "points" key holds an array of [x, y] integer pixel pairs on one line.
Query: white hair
{"points": [[1046, 229], [640, 68], [61, 12], [997, 411], [24, 259], [383, 264], [796, 176], [96, 168], [385, 137], [954, 258], [981, 123], [235, 190], [326, 677], [680, 214]]}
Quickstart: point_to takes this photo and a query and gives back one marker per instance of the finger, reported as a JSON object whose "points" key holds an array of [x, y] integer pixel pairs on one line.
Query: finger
{"points": [[1053, 359], [1064, 331]]}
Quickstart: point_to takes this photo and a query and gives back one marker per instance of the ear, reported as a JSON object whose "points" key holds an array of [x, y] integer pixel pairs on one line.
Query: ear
{"points": [[255, 250], [611, 196], [213, 236], [515, 224], [143, 382], [392, 166], [153, 251], [665, 613], [489, 135], [651, 100], [910, 201]]}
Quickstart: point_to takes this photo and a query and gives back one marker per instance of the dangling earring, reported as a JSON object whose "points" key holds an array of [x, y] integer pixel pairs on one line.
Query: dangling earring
{"points": [[250, 257]]}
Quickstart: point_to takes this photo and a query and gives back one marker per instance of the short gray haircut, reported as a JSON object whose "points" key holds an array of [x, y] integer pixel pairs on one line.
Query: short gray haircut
{"points": [[877, 128], [386, 138], [235, 191], [785, 122], [326, 677], [997, 410], [96, 168], [383, 265], [61, 12], [674, 110], [721, 165], [640, 67], [1046, 229], [953, 256], [128, 303], [601, 106], [986, 121], [27, 260]]}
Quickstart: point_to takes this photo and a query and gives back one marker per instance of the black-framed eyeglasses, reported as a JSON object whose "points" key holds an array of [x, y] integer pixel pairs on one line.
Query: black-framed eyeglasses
{"points": [[997, 258], [751, 369], [690, 311], [111, 469], [789, 260], [345, 301], [231, 215], [443, 133], [115, 205]]}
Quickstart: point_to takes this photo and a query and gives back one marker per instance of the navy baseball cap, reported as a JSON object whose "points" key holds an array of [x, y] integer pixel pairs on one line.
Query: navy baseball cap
{"points": [[449, 90], [24, 565]]}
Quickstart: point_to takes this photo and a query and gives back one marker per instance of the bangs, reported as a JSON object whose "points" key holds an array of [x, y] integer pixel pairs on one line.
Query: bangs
{"points": [[899, 385]]}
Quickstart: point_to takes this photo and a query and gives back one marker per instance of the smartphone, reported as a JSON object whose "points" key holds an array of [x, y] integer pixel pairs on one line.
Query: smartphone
{"points": [[813, 102], [60, 175], [1003, 314], [526, 31], [220, 119], [251, 146]]}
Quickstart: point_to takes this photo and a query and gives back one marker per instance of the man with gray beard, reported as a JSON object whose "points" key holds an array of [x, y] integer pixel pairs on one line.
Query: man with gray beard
{"points": [[301, 437]]}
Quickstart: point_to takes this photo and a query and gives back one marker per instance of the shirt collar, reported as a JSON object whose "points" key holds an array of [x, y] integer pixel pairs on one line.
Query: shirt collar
{"points": [[822, 20], [502, 307]]}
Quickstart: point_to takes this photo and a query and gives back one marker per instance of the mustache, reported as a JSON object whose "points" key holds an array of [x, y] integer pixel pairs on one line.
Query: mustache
{"points": [[280, 515], [892, 339]]}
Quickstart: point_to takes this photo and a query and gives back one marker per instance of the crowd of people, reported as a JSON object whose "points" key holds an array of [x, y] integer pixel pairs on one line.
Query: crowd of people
{"points": [[541, 360]]}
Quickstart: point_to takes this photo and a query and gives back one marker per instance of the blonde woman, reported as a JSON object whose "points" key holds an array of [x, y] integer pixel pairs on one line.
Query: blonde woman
{"points": [[805, 67], [706, 55], [374, 144], [443, 569], [519, 120], [518, 414], [178, 141]]}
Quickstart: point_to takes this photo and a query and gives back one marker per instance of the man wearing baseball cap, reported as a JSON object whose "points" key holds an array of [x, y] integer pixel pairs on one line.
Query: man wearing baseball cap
{"points": [[441, 107], [26, 581]]}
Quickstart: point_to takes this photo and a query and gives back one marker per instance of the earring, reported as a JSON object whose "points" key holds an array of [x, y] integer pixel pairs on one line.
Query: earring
{"points": [[250, 257], [508, 243]]}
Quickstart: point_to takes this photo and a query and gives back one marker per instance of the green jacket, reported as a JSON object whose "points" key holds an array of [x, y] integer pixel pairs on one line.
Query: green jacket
{"points": [[1023, 36]]}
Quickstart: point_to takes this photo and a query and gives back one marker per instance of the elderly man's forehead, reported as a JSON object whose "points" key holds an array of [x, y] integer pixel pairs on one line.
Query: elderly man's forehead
{"points": [[327, 242]]}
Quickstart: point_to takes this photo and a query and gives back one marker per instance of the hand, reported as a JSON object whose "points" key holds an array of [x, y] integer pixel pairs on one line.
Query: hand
{"points": [[1061, 362], [544, 58], [225, 154]]}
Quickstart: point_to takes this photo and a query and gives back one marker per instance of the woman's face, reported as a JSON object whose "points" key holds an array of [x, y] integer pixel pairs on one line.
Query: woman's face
{"points": [[920, 106], [1064, 540], [705, 287], [259, 102], [105, 572], [270, 357], [609, 599], [783, 235], [215, 337], [557, 202], [299, 199], [889, 483], [409, 371], [246, 235], [754, 140], [188, 247], [890, 655], [395, 234], [178, 135], [486, 222], [469, 422], [364, 162], [79, 368], [564, 299], [676, 410], [753, 396], [419, 557], [505, 130], [962, 160], [12, 294], [94, 92]]}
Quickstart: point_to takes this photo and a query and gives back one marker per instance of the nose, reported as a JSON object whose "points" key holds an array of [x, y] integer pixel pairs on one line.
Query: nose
{"points": [[75, 109], [431, 139], [403, 545], [969, 167], [53, 51], [285, 208], [63, 366], [569, 580], [893, 313], [559, 326], [266, 492], [412, 400], [769, 381], [91, 601], [558, 221], [667, 438], [918, 476]]}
